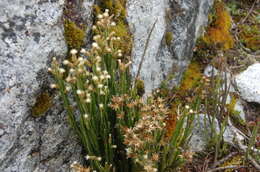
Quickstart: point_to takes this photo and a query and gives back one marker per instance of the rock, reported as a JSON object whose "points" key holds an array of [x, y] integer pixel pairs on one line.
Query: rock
{"points": [[31, 32], [201, 133], [248, 83], [183, 19]]}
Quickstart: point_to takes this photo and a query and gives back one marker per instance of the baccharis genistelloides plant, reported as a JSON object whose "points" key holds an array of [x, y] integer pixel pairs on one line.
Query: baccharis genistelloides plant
{"points": [[118, 129]]}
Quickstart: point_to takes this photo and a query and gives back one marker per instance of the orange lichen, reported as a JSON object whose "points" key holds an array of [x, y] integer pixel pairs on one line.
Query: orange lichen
{"points": [[191, 78], [219, 31]]}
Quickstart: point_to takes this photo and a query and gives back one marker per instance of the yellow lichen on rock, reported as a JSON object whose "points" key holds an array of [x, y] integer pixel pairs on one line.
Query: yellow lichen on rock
{"points": [[219, 31]]}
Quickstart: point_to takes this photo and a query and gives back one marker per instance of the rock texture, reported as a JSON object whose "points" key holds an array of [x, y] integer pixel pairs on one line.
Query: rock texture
{"points": [[181, 18], [248, 83], [31, 32], [201, 133]]}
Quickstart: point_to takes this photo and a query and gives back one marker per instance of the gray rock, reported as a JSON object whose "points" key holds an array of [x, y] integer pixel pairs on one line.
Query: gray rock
{"points": [[201, 133], [184, 18], [31, 32], [248, 83]]}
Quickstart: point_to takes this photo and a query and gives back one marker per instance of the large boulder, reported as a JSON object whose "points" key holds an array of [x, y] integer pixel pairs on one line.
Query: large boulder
{"points": [[31, 33], [169, 49], [248, 83]]}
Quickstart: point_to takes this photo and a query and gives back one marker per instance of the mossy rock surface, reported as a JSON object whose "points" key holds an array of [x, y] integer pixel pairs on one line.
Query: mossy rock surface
{"points": [[43, 103]]}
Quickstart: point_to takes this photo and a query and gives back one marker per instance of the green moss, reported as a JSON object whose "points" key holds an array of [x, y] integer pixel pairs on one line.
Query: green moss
{"points": [[73, 34], [168, 38], [139, 85], [43, 103]]}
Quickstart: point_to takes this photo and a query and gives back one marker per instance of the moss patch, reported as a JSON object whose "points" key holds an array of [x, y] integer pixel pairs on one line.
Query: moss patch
{"points": [[74, 35], [168, 38], [218, 33], [43, 103], [250, 36], [191, 77]]}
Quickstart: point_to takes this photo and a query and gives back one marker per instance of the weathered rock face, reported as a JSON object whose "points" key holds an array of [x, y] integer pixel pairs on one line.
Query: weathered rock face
{"points": [[248, 83], [181, 18], [31, 32]]}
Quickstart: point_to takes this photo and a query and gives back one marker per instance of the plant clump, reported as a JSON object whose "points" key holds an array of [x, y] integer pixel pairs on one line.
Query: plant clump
{"points": [[118, 9], [218, 33], [119, 130]]}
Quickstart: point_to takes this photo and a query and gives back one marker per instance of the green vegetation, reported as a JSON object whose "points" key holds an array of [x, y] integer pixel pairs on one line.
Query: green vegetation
{"points": [[118, 129], [73, 34]]}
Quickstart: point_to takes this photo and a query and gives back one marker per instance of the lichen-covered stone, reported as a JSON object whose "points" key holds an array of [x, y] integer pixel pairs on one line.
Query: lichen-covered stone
{"points": [[248, 83], [183, 18], [31, 32]]}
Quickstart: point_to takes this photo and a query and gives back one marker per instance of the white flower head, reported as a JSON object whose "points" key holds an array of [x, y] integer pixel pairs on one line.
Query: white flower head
{"points": [[100, 85], [68, 88], [80, 59], [105, 14], [72, 70], [66, 62], [98, 58], [94, 27], [101, 106], [95, 45], [53, 86], [73, 51], [79, 92], [102, 77], [87, 157], [86, 116], [95, 78], [108, 76], [113, 24], [98, 69], [83, 51], [100, 16], [88, 100]]}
